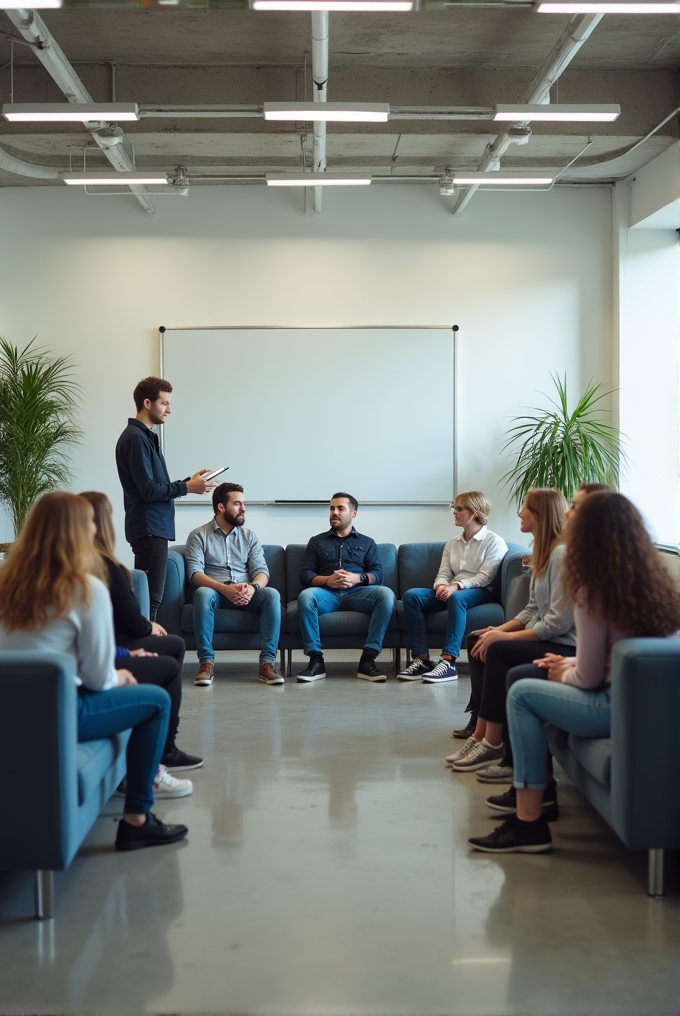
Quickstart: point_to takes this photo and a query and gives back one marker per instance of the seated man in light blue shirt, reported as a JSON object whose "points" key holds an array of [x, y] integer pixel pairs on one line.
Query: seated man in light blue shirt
{"points": [[226, 564]]}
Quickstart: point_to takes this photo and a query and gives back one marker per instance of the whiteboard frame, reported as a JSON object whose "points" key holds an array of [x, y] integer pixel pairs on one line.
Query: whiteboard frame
{"points": [[454, 329]]}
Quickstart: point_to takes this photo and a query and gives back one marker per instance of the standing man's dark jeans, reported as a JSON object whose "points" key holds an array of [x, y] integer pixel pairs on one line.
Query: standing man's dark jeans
{"points": [[151, 556], [164, 672], [488, 680]]}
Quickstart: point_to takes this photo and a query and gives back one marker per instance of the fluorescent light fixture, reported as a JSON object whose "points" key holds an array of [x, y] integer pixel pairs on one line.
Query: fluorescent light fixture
{"points": [[499, 179], [109, 179], [333, 5], [65, 112], [29, 5], [316, 180], [340, 112], [558, 113], [607, 7]]}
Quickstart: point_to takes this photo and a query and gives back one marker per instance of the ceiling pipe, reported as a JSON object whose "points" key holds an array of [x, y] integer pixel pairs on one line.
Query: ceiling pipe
{"points": [[568, 45], [320, 79], [52, 57], [20, 168]]}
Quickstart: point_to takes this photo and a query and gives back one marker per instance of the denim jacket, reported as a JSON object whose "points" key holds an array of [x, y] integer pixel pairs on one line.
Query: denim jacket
{"points": [[328, 552]]}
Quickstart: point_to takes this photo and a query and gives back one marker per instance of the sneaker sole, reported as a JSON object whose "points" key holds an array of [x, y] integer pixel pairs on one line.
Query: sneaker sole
{"points": [[140, 844], [409, 677], [460, 768], [263, 680], [161, 796], [525, 848], [495, 779], [308, 680], [184, 768], [203, 683], [438, 680], [376, 680], [462, 735]]}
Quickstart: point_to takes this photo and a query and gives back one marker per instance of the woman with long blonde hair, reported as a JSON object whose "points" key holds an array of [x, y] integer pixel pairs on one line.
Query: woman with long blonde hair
{"points": [[620, 589], [52, 599], [545, 625]]}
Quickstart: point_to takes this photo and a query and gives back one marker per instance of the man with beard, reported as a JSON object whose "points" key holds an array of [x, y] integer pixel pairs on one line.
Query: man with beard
{"points": [[148, 493], [226, 563]]}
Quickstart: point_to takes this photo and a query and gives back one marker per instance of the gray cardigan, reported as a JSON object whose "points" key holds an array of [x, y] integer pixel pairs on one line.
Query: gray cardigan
{"points": [[551, 619]]}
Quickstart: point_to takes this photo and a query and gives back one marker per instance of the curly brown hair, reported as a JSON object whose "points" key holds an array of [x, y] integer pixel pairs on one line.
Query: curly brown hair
{"points": [[149, 388], [612, 562]]}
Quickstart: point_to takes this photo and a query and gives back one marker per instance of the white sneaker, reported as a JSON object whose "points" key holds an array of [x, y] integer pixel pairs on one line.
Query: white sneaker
{"points": [[167, 785], [462, 752]]}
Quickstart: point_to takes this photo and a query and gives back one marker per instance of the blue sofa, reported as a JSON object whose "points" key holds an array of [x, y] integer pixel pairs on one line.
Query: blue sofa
{"points": [[630, 777], [59, 786], [413, 564]]}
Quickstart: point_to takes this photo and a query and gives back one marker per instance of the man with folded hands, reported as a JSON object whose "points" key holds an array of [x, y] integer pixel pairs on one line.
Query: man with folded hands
{"points": [[341, 570]]}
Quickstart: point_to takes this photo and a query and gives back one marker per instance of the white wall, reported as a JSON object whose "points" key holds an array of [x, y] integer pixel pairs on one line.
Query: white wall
{"points": [[527, 278]]}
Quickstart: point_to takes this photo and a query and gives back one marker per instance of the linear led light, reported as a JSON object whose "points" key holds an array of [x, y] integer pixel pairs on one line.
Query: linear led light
{"points": [[333, 5], [316, 180], [607, 7], [64, 112], [29, 5], [501, 179], [341, 112], [558, 113], [109, 179]]}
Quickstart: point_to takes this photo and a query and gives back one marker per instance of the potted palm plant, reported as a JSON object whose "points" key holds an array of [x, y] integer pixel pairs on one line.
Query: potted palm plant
{"points": [[38, 401], [562, 449]]}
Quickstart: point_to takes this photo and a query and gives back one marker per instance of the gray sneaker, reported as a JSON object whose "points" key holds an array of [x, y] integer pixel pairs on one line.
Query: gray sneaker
{"points": [[462, 752], [481, 755], [497, 773], [415, 670]]}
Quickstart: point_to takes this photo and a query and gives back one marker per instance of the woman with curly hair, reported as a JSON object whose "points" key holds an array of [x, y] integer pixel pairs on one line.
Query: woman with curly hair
{"points": [[620, 589], [545, 625], [53, 599]]}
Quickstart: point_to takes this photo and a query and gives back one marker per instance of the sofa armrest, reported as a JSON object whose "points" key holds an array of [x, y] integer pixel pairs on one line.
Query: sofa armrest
{"points": [[174, 597], [38, 731], [644, 732]]}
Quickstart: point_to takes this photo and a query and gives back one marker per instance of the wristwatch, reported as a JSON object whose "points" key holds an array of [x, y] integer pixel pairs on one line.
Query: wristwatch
{"points": [[256, 586], [363, 578]]}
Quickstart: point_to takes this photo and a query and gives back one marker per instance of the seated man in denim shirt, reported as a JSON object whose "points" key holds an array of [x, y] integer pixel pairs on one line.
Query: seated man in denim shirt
{"points": [[226, 563], [341, 570]]}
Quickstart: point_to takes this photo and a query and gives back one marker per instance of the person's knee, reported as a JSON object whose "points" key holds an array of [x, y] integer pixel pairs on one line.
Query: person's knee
{"points": [[204, 598], [411, 598], [307, 599], [270, 598], [384, 595]]}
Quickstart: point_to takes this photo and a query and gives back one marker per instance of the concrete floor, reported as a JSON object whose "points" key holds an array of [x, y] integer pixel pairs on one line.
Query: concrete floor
{"points": [[327, 872]]}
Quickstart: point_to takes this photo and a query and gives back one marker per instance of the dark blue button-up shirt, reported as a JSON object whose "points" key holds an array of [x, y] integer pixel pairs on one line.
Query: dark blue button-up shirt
{"points": [[328, 552], [148, 494]]}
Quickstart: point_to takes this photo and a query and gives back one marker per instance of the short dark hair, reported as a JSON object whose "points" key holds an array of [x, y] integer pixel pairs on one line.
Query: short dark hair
{"points": [[352, 500], [221, 492], [149, 388]]}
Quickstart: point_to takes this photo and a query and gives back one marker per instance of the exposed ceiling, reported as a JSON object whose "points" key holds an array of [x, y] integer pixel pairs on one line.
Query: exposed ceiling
{"points": [[466, 56]]}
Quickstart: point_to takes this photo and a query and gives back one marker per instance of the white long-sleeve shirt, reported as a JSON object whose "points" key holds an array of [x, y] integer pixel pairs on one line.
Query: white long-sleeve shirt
{"points": [[85, 634], [473, 564]]}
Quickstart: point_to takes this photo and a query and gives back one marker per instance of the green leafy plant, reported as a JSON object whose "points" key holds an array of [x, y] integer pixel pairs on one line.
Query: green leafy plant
{"points": [[38, 400], [556, 448]]}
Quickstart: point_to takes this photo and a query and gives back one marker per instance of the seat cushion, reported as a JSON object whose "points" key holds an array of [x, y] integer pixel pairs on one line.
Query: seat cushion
{"points": [[94, 759], [595, 755], [340, 622]]}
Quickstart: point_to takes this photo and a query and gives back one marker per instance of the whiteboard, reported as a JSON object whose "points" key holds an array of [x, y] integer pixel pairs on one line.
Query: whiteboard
{"points": [[300, 413]]}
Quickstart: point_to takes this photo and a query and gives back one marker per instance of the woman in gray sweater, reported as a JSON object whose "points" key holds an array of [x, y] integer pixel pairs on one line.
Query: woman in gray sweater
{"points": [[52, 599], [546, 625]]}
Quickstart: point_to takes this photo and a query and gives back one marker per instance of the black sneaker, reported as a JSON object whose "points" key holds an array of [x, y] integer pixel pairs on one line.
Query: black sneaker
{"points": [[315, 669], [367, 670], [177, 760], [153, 833], [415, 670], [516, 837], [507, 803], [465, 732]]}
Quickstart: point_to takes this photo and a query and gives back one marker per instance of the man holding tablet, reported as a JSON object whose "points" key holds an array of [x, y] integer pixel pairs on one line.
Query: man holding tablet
{"points": [[148, 493], [226, 564]]}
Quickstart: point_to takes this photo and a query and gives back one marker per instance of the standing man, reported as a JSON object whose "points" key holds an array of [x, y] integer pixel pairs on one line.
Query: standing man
{"points": [[226, 563], [148, 494], [341, 570]]}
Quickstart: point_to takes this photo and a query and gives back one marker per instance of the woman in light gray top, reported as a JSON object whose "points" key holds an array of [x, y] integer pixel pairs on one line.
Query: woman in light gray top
{"points": [[52, 599], [545, 625]]}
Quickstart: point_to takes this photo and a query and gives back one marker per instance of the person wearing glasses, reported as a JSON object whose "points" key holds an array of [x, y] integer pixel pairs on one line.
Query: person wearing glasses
{"points": [[469, 565]]}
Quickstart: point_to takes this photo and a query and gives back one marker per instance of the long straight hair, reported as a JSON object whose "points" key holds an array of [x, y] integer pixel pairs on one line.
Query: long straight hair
{"points": [[47, 569], [548, 507], [105, 537]]}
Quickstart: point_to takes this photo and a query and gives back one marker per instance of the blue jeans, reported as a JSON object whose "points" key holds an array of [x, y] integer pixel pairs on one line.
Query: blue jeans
{"points": [[266, 602], [378, 601], [145, 708], [533, 702], [419, 602]]}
